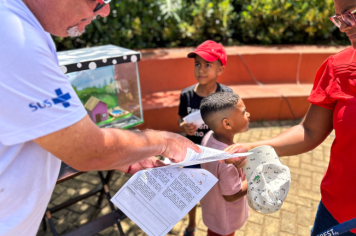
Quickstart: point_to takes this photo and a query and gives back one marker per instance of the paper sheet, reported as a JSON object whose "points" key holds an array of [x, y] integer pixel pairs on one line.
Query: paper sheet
{"points": [[157, 199], [194, 118], [207, 155]]}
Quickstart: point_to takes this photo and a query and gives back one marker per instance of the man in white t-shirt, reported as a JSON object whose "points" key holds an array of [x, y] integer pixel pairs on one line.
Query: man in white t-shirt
{"points": [[37, 131]]}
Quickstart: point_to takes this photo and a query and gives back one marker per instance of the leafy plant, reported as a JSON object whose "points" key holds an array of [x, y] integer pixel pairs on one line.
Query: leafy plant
{"points": [[170, 8], [287, 22], [176, 23]]}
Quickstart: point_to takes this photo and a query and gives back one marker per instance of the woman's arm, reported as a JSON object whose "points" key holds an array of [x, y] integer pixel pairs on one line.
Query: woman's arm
{"points": [[315, 127]]}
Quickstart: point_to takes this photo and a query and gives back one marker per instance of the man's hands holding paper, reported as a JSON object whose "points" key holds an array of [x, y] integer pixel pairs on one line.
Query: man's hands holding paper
{"points": [[176, 146], [175, 149], [151, 162]]}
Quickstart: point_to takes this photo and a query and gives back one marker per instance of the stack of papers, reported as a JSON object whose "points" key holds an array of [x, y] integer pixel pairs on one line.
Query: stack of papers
{"points": [[157, 199]]}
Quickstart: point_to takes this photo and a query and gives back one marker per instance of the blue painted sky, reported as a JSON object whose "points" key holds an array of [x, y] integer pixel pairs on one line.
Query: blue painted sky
{"points": [[91, 78]]}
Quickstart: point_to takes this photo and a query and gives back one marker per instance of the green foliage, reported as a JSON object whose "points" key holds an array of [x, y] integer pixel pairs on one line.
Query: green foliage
{"points": [[105, 94], [288, 22], [174, 23]]}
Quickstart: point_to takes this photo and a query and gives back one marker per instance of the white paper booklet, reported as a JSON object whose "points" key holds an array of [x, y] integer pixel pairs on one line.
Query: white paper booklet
{"points": [[157, 199], [194, 118]]}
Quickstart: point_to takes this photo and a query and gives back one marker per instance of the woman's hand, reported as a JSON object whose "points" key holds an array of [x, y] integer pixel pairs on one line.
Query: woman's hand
{"points": [[238, 162]]}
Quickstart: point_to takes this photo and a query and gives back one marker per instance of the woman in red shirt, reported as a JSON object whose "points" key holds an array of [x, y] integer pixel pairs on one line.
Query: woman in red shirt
{"points": [[333, 106]]}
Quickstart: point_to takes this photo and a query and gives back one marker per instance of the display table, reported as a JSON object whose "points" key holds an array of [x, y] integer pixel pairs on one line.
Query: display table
{"points": [[95, 226]]}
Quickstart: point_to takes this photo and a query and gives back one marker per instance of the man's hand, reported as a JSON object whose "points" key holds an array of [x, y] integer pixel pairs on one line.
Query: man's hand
{"points": [[147, 163], [176, 146], [189, 129], [238, 162]]}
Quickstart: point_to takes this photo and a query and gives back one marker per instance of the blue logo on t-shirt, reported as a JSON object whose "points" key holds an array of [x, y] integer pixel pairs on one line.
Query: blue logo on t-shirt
{"points": [[60, 99]]}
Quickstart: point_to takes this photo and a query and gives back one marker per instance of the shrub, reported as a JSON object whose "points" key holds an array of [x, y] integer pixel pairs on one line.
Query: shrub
{"points": [[175, 23], [288, 22]]}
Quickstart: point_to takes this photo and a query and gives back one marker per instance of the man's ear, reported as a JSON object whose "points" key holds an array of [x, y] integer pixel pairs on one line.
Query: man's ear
{"points": [[221, 70], [226, 124]]}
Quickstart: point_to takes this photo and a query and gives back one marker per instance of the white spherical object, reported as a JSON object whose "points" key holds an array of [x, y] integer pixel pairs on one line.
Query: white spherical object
{"points": [[79, 65], [105, 60], [114, 62], [134, 58], [125, 57], [92, 65], [64, 69]]}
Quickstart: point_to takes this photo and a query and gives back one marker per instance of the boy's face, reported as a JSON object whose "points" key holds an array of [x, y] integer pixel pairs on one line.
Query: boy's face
{"points": [[205, 71], [239, 118]]}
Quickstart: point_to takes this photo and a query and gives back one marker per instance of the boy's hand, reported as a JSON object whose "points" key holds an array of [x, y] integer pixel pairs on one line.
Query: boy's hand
{"points": [[189, 129], [238, 162]]}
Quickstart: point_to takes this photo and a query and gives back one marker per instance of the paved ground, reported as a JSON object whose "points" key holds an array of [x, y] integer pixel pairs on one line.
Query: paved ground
{"points": [[295, 218]]}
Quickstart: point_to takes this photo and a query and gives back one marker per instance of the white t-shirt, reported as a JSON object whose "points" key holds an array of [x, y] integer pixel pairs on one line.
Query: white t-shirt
{"points": [[36, 99]]}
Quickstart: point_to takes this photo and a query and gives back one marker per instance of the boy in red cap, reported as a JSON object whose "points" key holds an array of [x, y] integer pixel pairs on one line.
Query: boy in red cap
{"points": [[210, 60]]}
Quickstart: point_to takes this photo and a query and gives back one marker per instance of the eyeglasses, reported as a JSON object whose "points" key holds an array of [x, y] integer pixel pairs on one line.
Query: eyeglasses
{"points": [[101, 4], [348, 18]]}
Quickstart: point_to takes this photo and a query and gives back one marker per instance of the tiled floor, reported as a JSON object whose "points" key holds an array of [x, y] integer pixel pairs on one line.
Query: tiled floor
{"points": [[295, 218]]}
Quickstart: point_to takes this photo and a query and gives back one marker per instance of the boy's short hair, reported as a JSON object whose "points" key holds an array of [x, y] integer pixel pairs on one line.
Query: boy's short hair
{"points": [[217, 102]]}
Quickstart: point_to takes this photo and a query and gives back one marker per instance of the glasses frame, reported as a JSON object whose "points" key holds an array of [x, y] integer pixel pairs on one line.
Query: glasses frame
{"points": [[101, 4], [342, 18]]}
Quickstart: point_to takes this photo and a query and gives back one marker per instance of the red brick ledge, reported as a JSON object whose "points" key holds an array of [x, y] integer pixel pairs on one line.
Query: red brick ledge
{"points": [[174, 53]]}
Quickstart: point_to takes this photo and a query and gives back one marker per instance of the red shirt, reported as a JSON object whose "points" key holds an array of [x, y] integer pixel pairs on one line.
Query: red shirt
{"points": [[335, 89]]}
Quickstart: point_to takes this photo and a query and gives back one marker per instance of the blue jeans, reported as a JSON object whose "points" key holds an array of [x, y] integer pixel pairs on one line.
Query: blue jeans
{"points": [[324, 221]]}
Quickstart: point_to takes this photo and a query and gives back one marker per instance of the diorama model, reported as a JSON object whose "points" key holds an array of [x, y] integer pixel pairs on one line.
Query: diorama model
{"points": [[106, 80]]}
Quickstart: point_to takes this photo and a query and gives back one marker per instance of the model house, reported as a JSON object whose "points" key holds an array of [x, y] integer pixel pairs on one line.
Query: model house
{"points": [[97, 110]]}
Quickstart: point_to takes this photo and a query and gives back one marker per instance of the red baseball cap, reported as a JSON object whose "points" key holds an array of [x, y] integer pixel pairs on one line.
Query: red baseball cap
{"points": [[210, 51]]}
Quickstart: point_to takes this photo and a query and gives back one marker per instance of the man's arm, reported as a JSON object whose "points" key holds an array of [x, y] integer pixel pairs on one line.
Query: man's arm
{"points": [[239, 194], [313, 130], [86, 147]]}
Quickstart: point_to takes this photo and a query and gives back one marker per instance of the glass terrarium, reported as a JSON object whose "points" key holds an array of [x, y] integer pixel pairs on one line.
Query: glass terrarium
{"points": [[107, 82]]}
